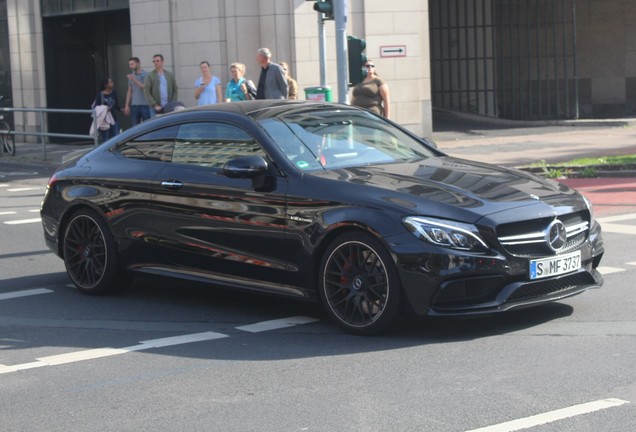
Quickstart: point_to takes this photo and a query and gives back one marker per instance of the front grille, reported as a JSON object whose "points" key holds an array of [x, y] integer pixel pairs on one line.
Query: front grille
{"points": [[544, 288], [527, 238]]}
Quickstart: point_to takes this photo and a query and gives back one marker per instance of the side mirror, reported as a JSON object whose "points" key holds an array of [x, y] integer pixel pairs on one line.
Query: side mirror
{"points": [[245, 167]]}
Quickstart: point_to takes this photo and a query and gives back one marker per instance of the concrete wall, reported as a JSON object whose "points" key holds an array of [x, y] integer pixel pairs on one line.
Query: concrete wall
{"points": [[27, 62], [606, 51], [224, 31]]}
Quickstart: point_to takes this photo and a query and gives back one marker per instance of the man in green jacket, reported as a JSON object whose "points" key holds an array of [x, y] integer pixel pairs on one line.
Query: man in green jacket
{"points": [[160, 86]]}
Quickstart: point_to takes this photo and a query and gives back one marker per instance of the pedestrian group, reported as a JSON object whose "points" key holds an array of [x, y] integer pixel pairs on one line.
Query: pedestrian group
{"points": [[156, 92]]}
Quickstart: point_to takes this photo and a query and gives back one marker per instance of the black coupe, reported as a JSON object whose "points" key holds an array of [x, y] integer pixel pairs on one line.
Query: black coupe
{"points": [[323, 202]]}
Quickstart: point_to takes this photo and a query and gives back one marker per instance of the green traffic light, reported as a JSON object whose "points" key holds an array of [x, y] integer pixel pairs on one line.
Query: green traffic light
{"points": [[325, 7], [357, 59]]}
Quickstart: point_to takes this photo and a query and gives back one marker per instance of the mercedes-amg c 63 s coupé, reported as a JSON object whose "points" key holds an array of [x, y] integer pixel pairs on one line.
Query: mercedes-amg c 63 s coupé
{"points": [[323, 202]]}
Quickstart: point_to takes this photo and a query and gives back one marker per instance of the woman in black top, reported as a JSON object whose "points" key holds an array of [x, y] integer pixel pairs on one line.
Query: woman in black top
{"points": [[108, 96]]}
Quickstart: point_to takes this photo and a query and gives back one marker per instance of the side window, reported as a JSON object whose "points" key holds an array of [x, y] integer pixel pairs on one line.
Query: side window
{"points": [[213, 144], [156, 145]]}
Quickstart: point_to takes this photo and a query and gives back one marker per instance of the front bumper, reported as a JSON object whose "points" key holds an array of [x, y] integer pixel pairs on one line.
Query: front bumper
{"points": [[444, 282]]}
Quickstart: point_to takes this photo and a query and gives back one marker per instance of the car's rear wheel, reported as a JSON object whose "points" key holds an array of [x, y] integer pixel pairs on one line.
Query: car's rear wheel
{"points": [[89, 254], [359, 284]]}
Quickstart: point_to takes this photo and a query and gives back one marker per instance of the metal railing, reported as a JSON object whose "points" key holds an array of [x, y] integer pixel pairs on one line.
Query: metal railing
{"points": [[44, 134]]}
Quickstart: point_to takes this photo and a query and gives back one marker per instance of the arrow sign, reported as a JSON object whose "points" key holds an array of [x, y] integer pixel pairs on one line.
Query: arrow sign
{"points": [[393, 51]]}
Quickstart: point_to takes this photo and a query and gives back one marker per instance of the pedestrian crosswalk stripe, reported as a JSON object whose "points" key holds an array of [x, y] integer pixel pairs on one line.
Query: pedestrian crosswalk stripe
{"points": [[24, 293], [619, 228], [23, 189], [277, 324], [23, 221], [617, 218], [608, 270], [97, 353]]}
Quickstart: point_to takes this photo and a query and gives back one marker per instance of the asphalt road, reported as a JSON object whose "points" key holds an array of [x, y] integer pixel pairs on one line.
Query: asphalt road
{"points": [[168, 356]]}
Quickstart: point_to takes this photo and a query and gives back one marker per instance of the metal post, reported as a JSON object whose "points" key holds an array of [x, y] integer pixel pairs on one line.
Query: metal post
{"points": [[575, 72], [323, 50], [95, 129], [340, 13], [43, 136]]}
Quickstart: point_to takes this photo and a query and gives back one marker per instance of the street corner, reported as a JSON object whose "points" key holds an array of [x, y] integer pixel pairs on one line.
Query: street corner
{"points": [[609, 195]]}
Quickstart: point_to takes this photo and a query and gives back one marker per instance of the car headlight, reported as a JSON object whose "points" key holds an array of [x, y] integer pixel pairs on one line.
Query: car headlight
{"points": [[455, 235]]}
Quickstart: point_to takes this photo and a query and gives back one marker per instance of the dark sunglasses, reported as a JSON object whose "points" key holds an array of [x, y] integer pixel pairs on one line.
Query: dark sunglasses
{"points": [[369, 66]]}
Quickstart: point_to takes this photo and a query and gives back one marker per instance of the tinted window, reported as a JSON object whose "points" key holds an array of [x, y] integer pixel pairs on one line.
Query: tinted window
{"points": [[156, 145], [213, 144]]}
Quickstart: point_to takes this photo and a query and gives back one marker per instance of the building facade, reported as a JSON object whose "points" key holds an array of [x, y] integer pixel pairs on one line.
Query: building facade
{"points": [[60, 50], [517, 59]]}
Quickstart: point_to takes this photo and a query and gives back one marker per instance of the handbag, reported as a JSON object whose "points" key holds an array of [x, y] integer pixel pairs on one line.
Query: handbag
{"points": [[251, 89]]}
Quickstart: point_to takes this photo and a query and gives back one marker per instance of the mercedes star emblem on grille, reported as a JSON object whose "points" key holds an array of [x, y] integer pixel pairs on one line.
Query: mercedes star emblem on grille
{"points": [[556, 235]]}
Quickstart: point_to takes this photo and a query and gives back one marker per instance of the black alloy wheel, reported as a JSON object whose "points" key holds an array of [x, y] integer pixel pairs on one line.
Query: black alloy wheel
{"points": [[89, 254], [359, 284]]}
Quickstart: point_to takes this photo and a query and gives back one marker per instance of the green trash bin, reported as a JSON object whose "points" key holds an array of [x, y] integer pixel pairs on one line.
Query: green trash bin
{"points": [[322, 94]]}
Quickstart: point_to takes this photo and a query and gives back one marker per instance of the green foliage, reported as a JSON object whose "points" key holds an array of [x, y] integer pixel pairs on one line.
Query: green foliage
{"points": [[588, 172], [603, 160], [555, 173]]}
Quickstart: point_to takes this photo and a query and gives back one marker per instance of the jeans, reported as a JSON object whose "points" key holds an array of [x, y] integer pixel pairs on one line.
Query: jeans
{"points": [[139, 113], [105, 135]]}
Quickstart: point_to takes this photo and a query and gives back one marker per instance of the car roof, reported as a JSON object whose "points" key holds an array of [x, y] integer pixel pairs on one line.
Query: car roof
{"points": [[265, 108]]}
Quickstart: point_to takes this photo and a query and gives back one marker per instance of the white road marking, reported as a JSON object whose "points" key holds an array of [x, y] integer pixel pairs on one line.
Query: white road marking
{"points": [[552, 416], [8, 213], [277, 324], [23, 189], [608, 226], [608, 270], [632, 263], [23, 221], [617, 218], [34, 211], [618, 228], [25, 293], [178, 340], [97, 353], [4, 185]]}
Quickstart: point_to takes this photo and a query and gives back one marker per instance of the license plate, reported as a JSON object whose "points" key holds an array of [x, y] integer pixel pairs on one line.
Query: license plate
{"points": [[554, 266]]}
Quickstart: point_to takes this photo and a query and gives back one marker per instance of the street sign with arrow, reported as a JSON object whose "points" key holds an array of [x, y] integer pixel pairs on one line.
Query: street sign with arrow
{"points": [[393, 51]]}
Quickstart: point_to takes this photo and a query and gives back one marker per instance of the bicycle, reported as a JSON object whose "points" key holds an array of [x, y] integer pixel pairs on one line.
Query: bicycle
{"points": [[6, 134]]}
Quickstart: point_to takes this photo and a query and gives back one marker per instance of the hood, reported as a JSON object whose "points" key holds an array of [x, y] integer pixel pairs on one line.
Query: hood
{"points": [[457, 188]]}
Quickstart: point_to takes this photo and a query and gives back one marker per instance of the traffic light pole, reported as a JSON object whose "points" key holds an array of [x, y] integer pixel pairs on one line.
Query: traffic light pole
{"points": [[322, 40], [340, 14]]}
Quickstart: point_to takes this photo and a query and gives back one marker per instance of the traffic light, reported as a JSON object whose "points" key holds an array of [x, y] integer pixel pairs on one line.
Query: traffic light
{"points": [[325, 7], [357, 59]]}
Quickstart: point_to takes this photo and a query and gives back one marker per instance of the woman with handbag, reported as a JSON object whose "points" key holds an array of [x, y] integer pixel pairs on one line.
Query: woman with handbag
{"points": [[108, 96], [236, 90]]}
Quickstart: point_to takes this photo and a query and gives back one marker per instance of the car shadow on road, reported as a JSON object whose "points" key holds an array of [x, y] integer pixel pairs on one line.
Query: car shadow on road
{"points": [[162, 308]]}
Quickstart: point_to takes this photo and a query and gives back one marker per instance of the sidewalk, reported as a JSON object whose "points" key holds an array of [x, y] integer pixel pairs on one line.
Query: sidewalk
{"points": [[511, 144]]}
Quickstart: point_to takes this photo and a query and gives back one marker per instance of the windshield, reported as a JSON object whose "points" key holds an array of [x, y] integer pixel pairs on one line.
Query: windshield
{"points": [[336, 138]]}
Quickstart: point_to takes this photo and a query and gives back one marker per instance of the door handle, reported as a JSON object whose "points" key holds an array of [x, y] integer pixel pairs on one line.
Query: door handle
{"points": [[171, 184]]}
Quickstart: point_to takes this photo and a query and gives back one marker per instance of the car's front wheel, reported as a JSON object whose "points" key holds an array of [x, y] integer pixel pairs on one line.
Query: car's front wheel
{"points": [[359, 285], [89, 254]]}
